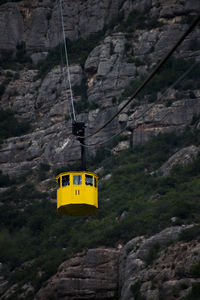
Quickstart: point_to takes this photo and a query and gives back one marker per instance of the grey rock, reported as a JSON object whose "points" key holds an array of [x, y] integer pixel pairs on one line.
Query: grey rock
{"points": [[3, 285], [107, 70], [36, 57], [46, 102], [160, 279], [192, 6], [162, 119], [11, 26], [39, 24], [92, 275], [38, 27], [182, 157]]}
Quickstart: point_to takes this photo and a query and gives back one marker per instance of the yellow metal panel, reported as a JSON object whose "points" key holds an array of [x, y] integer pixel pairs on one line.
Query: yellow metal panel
{"points": [[77, 199]]}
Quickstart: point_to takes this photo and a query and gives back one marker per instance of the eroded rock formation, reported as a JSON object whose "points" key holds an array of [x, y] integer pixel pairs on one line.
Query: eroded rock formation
{"points": [[119, 58], [151, 268], [92, 275]]}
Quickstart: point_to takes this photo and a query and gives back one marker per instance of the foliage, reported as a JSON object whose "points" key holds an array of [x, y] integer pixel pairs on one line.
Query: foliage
{"points": [[5, 1], [78, 52], [139, 20], [153, 253], [169, 73], [45, 239], [15, 59], [195, 292], [21, 55], [190, 234], [81, 90], [5, 180], [43, 171], [3, 86], [135, 289], [9, 125], [195, 270]]}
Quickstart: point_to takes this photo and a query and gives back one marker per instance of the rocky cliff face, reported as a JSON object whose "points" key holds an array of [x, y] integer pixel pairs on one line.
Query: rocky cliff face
{"points": [[156, 268], [38, 23], [111, 66], [133, 36], [92, 275]]}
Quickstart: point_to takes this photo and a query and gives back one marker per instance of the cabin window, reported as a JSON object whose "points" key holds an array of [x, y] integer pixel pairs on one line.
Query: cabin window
{"points": [[58, 183], [89, 180], [95, 182], [65, 180], [77, 179]]}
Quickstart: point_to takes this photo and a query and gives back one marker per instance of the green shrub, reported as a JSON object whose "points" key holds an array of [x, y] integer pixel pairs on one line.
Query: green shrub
{"points": [[138, 20], [21, 56], [5, 1], [6, 58], [195, 270], [81, 90], [42, 172], [34, 231], [135, 289], [5, 180], [9, 125], [153, 253], [168, 74], [190, 234], [78, 52], [195, 292]]}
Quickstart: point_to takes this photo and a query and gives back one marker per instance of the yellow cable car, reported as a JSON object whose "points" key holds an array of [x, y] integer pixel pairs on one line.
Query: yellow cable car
{"points": [[77, 193]]}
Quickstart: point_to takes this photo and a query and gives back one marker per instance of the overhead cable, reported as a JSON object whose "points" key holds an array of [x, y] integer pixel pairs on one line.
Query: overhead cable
{"points": [[163, 61], [65, 82], [67, 61], [146, 110]]}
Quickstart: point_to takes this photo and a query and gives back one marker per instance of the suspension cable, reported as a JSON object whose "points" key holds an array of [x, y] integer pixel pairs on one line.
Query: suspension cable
{"points": [[194, 65], [163, 61], [64, 77], [146, 110], [67, 61]]}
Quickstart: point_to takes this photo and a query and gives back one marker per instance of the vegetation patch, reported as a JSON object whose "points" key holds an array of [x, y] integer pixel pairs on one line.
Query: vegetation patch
{"points": [[153, 253], [5, 1], [195, 270], [10, 59], [10, 126], [190, 234], [195, 292], [139, 20], [5, 180], [169, 73], [29, 219], [135, 289], [78, 52]]}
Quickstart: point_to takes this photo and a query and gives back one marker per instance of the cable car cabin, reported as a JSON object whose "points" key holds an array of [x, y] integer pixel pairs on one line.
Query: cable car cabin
{"points": [[77, 193]]}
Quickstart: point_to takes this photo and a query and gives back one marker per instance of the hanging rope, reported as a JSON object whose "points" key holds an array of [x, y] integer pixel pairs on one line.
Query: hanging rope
{"points": [[67, 62]]}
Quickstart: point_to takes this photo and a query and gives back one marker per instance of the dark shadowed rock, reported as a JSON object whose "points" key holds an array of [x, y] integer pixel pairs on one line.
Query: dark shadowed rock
{"points": [[93, 275]]}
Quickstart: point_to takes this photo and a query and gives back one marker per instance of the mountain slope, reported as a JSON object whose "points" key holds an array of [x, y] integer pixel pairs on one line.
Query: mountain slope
{"points": [[149, 173]]}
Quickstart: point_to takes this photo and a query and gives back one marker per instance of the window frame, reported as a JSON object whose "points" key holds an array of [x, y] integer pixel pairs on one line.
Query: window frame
{"points": [[79, 181], [95, 182], [87, 176], [67, 181]]}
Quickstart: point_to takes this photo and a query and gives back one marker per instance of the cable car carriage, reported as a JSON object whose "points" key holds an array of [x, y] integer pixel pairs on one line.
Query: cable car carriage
{"points": [[77, 191]]}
